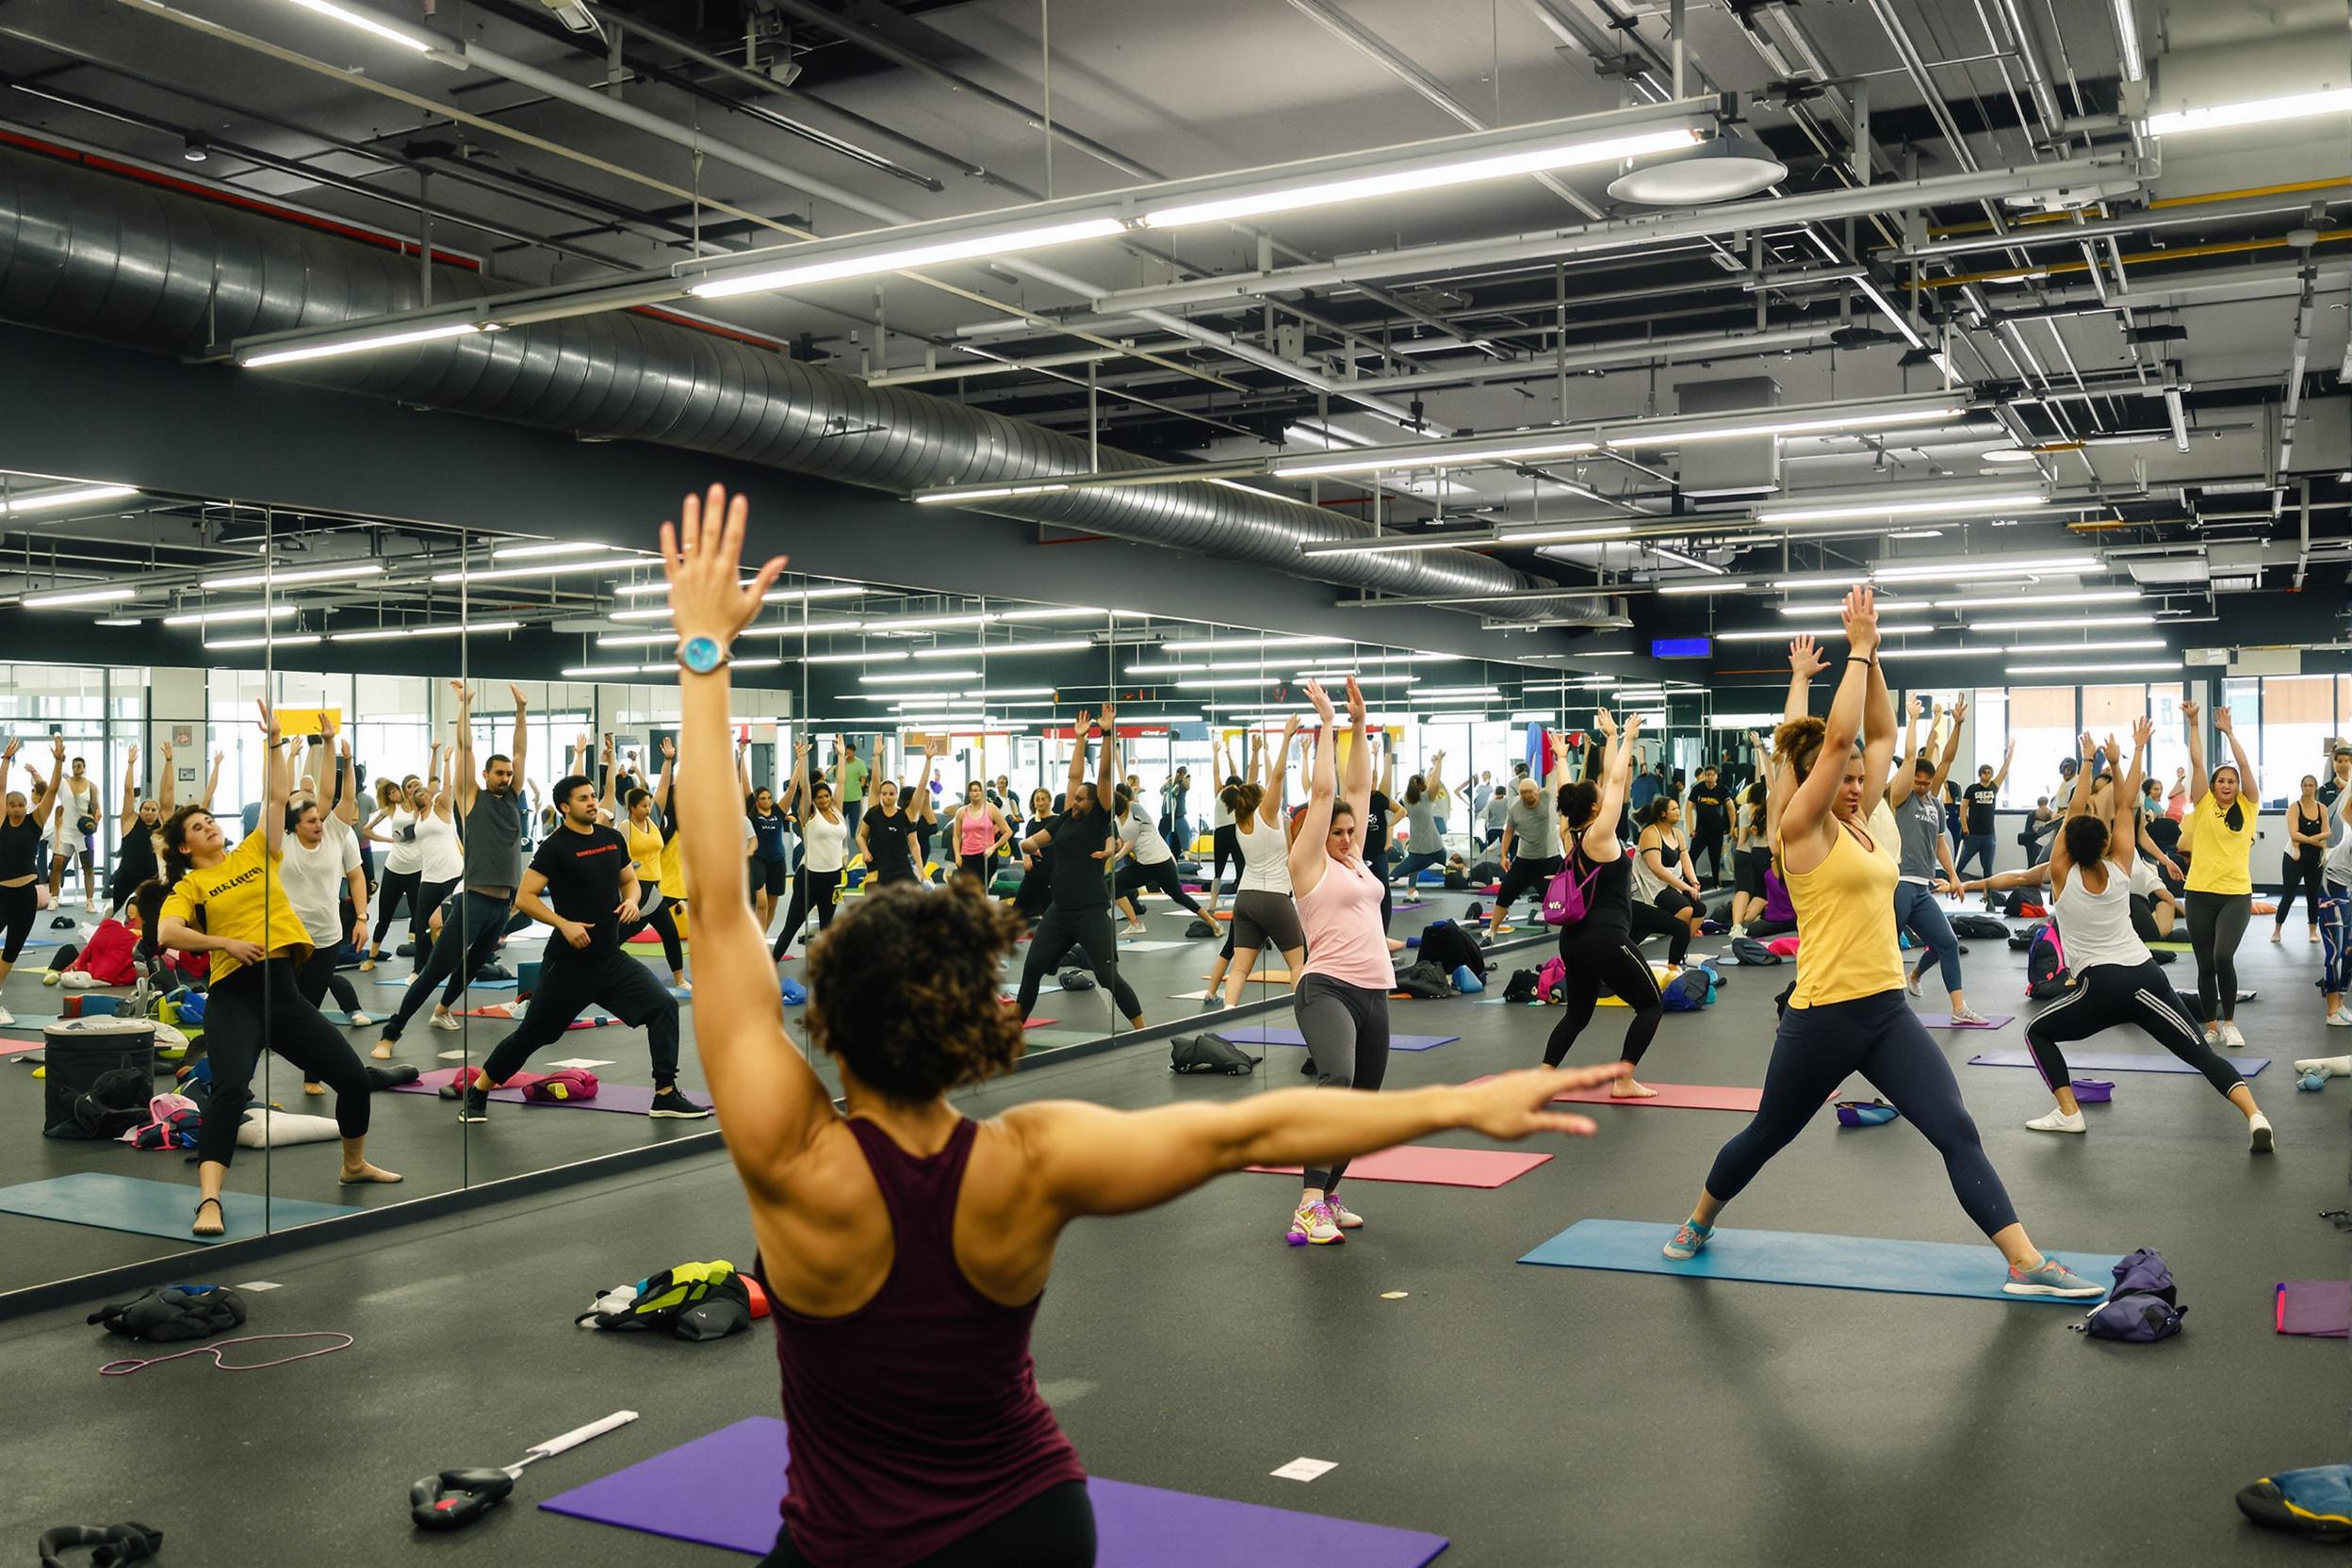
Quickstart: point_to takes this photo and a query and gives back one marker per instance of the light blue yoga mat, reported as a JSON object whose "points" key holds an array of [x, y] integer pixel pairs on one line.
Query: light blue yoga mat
{"points": [[2117, 1061], [1284, 1035], [1800, 1258], [403, 981], [155, 1208]]}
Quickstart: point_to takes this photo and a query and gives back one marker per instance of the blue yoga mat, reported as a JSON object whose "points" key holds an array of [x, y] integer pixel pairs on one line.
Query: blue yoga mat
{"points": [[1799, 1258], [155, 1208], [2115, 1061], [1280, 1035]]}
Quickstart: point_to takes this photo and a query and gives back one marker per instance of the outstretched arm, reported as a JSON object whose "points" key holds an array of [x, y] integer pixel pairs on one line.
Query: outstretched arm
{"points": [[347, 806], [771, 1099], [1805, 662], [2248, 786], [1600, 834], [1859, 690], [1272, 808], [461, 758], [2198, 781], [167, 783], [1878, 711], [1106, 771], [1899, 785], [1078, 758], [2124, 829], [520, 749], [277, 781], [212, 782], [2008, 755], [130, 792], [1951, 745], [1307, 855]]}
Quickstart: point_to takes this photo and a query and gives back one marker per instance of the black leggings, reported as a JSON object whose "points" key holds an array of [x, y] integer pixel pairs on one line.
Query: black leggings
{"points": [[1227, 842], [980, 868], [1135, 875], [1597, 959], [1651, 921], [1347, 1034], [1879, 1037], [2218, 923], [817, 890], [2297, 873], [1057, 933], [1053, 1530], [318, 977], [263, 1002], [567, 985], [2108, 995], [472, 924], [18, 907], [397, 885]]}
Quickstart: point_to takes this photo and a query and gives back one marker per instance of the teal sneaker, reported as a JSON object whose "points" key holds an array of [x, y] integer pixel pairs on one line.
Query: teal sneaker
{"points": [[1685, 1244], [2051, 1277]]}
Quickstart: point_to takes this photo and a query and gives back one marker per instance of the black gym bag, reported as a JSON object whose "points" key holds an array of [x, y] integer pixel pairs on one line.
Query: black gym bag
{"points": [[1208, 1054]]}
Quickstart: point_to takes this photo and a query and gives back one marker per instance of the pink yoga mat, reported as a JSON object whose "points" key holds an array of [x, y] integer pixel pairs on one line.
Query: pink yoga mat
{"points": [[2315, 1309], [1431, 1167], [12, 1047]]}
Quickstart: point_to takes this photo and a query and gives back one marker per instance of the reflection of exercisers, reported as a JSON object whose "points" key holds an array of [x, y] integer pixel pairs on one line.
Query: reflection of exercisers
{"points": [[1085, 841], [580, 884], [1849, 1012]]}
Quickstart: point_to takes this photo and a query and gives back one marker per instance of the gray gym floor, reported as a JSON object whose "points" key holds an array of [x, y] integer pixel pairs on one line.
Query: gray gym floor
{"points": [[1536, 1415]]}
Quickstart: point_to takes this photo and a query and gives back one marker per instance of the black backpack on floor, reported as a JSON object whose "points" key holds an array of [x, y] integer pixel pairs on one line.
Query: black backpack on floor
{"points": [[174, 1312], [1425, 980], [1449, 947], [1208, 1054]]}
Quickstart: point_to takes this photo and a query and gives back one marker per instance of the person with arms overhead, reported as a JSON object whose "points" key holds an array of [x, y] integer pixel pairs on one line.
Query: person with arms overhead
{"points": [[19, 854], [1710, 809], [1596, 950], [1979, 802], [1848, 1012], [1085, 841], [885, 835], [2219, 831]]}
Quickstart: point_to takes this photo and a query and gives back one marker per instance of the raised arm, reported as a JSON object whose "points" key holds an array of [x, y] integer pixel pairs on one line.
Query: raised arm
{"points": [[2249, 788], [277, 780], [1106, 771], [1308, 856], [519, 748], [1808, 803], [1805, 661], [1078, 759], [1600, 835], [1388, 768], [1878, 711], [1951, 745], [2123, 832], [347, 801], [1899, 785], [1437, 769], [1276, 803], [2078, 801], [2008, 755], [461, 758], [130, 792], [212, 782], [742, 771], [606, 780], [922, 786], [771, 1099], [2198, 781], [166, 782], [1356, 788]]}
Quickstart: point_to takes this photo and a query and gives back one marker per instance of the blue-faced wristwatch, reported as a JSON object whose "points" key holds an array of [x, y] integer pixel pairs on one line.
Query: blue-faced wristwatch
{"points": [[700, 655]]}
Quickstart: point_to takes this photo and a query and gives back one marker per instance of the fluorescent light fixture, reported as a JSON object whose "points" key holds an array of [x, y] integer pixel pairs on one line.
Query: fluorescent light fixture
{"points": [[2258, 112], [990, 493], [448, 628], [46, 500], [1428, 176], [1057, 614], [2099, 595], [903, 698], [552, 568], [351, 18], [118, 620], [299, 575], [1918, 533], [1239, 682], [926, 622], [256, 359], [303, 638], [2127, 31], [558, 547], [1859, 419], [876, 252], [67, 598], [2108, 645], [770, 628], [851, 658], [994, 650], [662, 614], [589, 672], [1961, 571], [1942, 506], [235, 612], [2068, 622], [779, 595], [1897, 607], [1185, 649], [1449, 455], [2009, 454], [2131, 667], [1726, 585], [919, 677]]}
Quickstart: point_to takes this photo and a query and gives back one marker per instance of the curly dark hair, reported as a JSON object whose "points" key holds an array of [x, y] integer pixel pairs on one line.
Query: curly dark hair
{"points": [[902, 988]]}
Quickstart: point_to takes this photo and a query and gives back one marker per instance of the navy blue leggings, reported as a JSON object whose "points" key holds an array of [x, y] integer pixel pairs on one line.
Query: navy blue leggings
{"points": [[1878, 1036]]}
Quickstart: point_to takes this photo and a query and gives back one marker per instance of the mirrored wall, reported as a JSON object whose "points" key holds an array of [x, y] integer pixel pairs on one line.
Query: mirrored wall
{"points": [[454, 706]]}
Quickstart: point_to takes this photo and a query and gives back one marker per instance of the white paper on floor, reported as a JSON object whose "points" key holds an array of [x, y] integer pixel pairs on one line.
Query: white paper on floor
{"points": [[451, 1056], [257, 1284], [1305, 1469], [1150, 946], [581, 1061]]}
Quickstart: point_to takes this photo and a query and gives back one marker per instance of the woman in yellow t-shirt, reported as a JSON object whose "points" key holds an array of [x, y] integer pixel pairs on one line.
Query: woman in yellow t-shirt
{"points": [[1850, 1012], [2219, 833], [232, 904]]}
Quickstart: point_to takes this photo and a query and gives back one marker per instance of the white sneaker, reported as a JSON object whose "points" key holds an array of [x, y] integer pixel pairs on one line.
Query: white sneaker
{"points": [[1966, 1015], [2230, 1037], [7, 1019], [2059, 1121], [2340, 1019], [2326, 1066], [2260, 1140], [447, 1022], [359, 1020], [1911, 984]]}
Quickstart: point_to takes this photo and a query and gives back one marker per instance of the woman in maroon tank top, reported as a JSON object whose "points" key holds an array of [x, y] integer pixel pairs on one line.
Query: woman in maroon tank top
{"points": [[907, 1247]]}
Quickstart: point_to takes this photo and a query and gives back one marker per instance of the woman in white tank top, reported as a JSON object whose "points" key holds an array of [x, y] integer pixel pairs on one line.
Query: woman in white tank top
{"points": [[2113, 980], [394, 825], [1263, 913], [825, 850]]}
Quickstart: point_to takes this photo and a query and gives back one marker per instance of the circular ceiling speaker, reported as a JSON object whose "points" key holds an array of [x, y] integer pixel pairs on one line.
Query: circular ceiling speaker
{"points": [[1729, 167], [2008, 454]]}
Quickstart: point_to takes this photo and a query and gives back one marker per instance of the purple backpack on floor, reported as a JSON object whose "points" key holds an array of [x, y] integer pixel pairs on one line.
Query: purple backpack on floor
{"points": [[2142, 1306]]}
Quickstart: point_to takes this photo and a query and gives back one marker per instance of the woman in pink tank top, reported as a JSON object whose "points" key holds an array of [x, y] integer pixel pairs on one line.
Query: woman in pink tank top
{"points": [[906, 1246], [1342, 998], [980, 833]]}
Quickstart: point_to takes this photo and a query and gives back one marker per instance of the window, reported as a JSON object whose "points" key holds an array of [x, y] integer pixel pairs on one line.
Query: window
{"points": [[2041, 721], [2297, 724]]}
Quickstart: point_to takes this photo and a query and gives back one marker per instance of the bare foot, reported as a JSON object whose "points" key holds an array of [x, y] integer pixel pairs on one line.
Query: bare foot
{"points": [[364, 1173], [213, 1226], [1626, 1088], [309, 1087], [383, 1050]]}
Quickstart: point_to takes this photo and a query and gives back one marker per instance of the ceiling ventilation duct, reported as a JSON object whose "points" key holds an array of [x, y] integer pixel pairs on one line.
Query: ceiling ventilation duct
{"points": [[99, 256]]}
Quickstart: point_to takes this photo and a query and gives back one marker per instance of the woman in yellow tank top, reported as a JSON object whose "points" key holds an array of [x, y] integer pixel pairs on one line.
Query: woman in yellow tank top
{"points": [[642, 830], [2218, 832], [1849, 1012]]}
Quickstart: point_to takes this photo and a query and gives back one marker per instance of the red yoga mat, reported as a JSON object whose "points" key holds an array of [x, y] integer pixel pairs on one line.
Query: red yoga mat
{"points": [[1431, 1167]]}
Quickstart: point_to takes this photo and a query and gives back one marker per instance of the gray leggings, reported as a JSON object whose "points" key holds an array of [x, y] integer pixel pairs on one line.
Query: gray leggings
{"points": [[1916, 907], [2217, 925], [1347, 1031]]}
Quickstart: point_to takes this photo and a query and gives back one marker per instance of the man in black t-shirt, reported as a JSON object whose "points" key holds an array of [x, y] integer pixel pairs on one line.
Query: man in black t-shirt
{"points": [[582, 885], [887, 834], [1710, 805], [1976, 815], [1086, 847], [2331, 788]]}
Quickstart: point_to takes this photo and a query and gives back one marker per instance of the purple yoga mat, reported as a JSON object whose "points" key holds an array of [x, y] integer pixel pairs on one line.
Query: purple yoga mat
{"points": [[2315, 1309], [723, 1489], [628, 1098], [1943, 1020]]}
